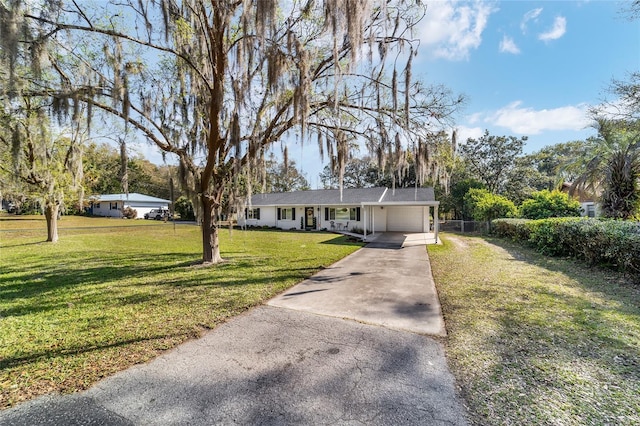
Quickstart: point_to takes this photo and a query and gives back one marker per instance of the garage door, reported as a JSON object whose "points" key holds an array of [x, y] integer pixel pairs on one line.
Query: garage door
{"points": [[404, 219]]}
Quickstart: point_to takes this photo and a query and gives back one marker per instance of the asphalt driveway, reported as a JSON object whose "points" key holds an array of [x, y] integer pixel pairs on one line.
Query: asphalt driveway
{"points": [[294, 364]]}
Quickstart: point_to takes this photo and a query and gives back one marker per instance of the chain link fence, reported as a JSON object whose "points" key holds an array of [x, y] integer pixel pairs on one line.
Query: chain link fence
{"points": [[464, 226]]}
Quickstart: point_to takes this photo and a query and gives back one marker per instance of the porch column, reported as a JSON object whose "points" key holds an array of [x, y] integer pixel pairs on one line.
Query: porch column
{"points": [[428, 221], [373, 220], [436, 222], [364, 222]]}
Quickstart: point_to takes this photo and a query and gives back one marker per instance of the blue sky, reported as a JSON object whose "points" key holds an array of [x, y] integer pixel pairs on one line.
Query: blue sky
{"points": [[526, 67]]}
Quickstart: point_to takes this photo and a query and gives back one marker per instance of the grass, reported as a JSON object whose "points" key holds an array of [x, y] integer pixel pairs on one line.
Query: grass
{"points": [[537, 340], [112, 293]]}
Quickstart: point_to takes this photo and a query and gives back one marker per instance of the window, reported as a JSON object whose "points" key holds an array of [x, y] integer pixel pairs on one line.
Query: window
{"points": [[287, 214], [329, 214], [591, 210], [97, 205], [113, 206], [343, 213], [252, 213]]}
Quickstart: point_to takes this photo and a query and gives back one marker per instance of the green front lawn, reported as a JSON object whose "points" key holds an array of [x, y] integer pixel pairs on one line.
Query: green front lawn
{"points": [[109, 295], [536, 340]]}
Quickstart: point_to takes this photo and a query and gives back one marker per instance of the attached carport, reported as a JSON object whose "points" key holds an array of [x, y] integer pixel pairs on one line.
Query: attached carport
{"points": [[407, 210]]}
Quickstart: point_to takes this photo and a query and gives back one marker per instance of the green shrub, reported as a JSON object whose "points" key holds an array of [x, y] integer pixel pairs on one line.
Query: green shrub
{"points": [[484, 205], [608, 243], [129, 213], [184, 207], [545, 204], [515, 229]]}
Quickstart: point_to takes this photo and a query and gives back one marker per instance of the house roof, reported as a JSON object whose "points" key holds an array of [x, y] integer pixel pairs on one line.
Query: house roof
{"points": [[131, 197], [350, 196]]}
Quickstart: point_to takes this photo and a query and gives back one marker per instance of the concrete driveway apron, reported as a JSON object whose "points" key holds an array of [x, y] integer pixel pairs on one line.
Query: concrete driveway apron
{"points": [[387, 283], [299, 364]]}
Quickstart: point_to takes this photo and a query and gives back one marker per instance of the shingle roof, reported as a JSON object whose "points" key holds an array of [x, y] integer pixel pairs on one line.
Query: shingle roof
{"points": [[409, 194], [350, 196], [132, 197]]}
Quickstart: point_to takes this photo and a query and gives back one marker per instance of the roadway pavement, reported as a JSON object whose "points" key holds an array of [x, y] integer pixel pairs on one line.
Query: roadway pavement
{"points": [[294, 363]]}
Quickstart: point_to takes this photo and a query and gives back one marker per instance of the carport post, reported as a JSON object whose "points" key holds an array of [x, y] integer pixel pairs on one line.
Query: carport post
{"points": [[365, 222], [436, 221]]}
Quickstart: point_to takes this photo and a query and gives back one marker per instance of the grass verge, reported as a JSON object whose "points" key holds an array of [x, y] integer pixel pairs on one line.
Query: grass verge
{"points": [[537, 340], [106, 297]]}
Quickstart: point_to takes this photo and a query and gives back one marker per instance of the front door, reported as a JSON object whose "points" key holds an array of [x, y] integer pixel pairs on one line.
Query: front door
{"points": [[308, 218]]}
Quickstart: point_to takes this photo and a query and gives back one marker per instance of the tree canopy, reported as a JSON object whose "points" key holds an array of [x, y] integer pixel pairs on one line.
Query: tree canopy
{"points": [[490, 158], [46, 163], [281, 177], [216, 83]]}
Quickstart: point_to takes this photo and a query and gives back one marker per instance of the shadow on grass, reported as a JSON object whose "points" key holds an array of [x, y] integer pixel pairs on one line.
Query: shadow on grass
{"points": [[344, 240], [58, 294], [50, 285], [16, 361]]}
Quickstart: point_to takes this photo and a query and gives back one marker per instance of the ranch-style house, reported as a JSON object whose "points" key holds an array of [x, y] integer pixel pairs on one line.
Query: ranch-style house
{"points": [[364, 210]]}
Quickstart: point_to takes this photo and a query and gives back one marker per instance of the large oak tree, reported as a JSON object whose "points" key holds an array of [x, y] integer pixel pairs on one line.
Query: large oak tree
{"points": [[217, 82]]}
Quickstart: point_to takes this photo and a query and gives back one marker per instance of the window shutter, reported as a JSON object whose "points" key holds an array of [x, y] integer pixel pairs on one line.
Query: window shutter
{"points": [[358, 214], [246, 214], [326, 213], [258, 213], [278, 213], [293, 213]]}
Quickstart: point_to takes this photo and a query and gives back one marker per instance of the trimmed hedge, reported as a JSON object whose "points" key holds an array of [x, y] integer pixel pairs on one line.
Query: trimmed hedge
{"points": [[599, 242]]}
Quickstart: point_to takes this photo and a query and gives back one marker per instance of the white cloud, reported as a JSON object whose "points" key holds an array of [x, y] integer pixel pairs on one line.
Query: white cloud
{"points": [[507, 45], [465, 133], [557, 31], [528, 121], [452, 29], [531, 15], [476, 117]]}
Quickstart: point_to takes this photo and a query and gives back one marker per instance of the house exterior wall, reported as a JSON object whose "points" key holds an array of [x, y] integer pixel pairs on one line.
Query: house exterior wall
{"points": [[108, 208], [589, 209], [379, 219], [341, 217], [269, 217]]}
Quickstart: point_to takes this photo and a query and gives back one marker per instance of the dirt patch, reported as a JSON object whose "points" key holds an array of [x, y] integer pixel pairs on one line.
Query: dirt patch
{"points": [[459, 243]]}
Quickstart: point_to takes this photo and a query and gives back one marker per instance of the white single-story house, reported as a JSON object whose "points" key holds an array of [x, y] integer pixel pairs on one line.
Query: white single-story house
{"points": [[367, 210], [111, 205]]}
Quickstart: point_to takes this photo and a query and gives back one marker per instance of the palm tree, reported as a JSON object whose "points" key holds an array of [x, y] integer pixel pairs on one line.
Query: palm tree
{"points": [[610, 167]]}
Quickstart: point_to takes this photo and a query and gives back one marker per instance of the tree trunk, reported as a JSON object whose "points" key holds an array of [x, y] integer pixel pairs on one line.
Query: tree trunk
{"points": [[51, 214], [210, 242]]}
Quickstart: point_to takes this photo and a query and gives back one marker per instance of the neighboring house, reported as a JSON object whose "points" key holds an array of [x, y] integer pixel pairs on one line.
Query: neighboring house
{"points": [[111, 205], [588, 206], [367, 210]]}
